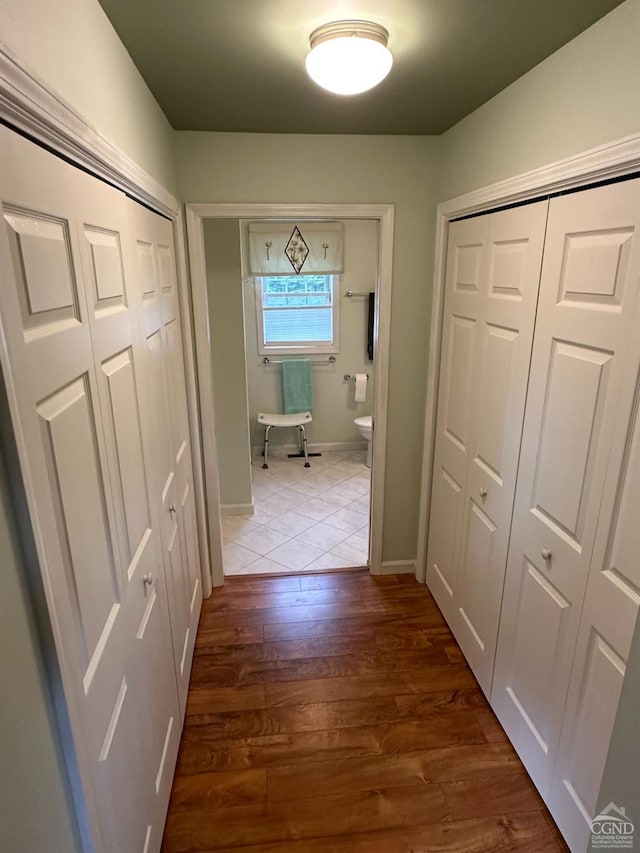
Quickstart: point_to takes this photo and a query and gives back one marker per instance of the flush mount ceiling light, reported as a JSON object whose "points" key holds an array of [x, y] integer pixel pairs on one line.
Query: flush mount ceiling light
{"points": [[349, 57]]}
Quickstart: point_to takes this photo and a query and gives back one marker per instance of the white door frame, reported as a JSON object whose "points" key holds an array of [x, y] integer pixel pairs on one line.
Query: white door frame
{"points": [[606, 162], [195, 216]]}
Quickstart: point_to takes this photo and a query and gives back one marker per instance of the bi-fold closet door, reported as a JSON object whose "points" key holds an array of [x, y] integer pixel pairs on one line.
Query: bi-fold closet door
{"points": [[573, 582], [570, 456], [172, 473], [84, 405], [493, 272]]}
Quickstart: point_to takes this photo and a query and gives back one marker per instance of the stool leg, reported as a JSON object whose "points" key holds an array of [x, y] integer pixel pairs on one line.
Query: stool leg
{"points": [[304, 446], [266, 447]]}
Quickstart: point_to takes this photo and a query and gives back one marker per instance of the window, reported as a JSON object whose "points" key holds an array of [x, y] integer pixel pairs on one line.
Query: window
{"points": [[297, 314]]}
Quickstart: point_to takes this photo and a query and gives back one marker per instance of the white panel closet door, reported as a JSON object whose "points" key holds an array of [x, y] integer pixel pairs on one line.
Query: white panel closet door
{"points": [[584, 335], [72, 364], [463, 296], [173, 488], [492, 290], [608, 618], [120, 357], [503, 355]]}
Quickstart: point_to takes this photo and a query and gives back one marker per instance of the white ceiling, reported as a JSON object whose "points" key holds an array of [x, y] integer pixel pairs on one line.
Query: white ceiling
{"points": [[238, 65]]}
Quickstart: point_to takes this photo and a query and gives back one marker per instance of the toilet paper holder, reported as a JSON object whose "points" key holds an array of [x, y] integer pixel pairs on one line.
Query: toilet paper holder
{"points": [[349, 377]]}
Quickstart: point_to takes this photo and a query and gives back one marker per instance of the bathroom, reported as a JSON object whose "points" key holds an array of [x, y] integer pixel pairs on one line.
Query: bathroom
{"points": [[288, 517]]}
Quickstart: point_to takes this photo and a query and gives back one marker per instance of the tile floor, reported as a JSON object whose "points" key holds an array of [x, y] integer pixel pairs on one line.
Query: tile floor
{"points": [[305, 519]]}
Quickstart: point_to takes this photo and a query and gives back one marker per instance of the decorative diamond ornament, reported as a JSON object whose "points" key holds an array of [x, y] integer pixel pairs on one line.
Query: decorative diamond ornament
{"points": [[296, 250]]}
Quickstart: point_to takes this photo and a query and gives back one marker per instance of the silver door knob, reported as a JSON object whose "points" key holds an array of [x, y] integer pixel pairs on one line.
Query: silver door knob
{"points": [[147, 580], [172, 507], [545, 554], [483, 493]]}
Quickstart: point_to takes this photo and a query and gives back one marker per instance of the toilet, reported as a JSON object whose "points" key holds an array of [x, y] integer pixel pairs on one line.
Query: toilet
{"points": [[365, 428]]}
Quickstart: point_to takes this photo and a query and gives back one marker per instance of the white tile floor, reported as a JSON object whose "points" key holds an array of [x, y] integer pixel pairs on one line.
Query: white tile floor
{"points": [[305, 519]]}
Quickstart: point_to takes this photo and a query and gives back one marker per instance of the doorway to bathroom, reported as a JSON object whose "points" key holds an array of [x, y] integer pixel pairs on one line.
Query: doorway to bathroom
{"points": [[286, 517]]}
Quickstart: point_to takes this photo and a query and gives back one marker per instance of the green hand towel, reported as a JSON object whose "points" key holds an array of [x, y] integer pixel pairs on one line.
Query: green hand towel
{"points": [[296, 386]]}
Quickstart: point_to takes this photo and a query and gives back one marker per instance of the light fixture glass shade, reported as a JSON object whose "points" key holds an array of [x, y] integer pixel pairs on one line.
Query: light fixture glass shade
{"points": [[349, 57]]}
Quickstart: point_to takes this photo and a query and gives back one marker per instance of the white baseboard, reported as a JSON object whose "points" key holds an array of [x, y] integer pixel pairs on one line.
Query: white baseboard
{"points": [[398, 567], [281, 450], [236, 509]]}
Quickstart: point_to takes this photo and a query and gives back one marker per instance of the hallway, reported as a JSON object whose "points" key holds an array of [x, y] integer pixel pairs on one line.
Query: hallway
{"points": [[335, 712]]}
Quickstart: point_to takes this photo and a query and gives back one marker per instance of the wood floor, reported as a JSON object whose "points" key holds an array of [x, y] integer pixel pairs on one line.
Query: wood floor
{"points": [[335, 712]]}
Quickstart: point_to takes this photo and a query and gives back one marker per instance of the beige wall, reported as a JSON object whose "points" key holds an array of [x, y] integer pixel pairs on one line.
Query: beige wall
{"points": [[334, 404], [584, 95], [224, 283], [35, 807], [71, 45], [403, 171]]}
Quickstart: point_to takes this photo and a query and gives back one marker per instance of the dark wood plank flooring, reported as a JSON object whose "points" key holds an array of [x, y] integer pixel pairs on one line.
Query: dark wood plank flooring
{"points": [[335, 712]]}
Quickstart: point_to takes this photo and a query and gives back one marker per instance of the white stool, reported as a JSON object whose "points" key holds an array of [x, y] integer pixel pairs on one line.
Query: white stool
{"points": [[298, 420]]}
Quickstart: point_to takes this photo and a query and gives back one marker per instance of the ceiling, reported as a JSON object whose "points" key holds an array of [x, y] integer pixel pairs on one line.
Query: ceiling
{"points": [[238, 65]]}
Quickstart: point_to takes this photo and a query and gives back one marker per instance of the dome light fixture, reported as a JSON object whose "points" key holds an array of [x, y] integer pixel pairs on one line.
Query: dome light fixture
{"points": [[349, 57]]}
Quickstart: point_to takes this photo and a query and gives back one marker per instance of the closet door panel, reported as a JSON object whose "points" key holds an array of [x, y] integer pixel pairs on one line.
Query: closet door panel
{"points": [[159, 424], [444, 524], [76, 485], [475, 607], [576, 784], [155, 261], [115, 344], [40, 250], [189, 578], [160, 440], [541, 614], [575, 389], [152, 649], [499, 351], [509, 291], [457, 392], [584, 333], [606, 628], [188, 507], [121, 368], [174, 361], [147, 285], [121, 383], [178, 588], [465, 258]]}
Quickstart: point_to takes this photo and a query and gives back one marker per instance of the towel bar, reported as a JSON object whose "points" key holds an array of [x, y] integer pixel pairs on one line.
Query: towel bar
{"points": [[330, 360]]}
